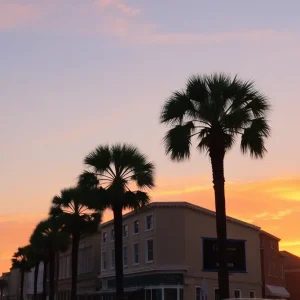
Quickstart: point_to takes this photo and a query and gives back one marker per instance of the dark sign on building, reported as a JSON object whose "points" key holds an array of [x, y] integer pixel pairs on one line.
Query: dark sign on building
{"points": [[236, 255]]}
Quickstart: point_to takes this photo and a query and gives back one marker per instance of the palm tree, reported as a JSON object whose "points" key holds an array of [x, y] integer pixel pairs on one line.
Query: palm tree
{"points": [[21, 261], [216, 109], [112, 169], [72, 207], [52, 238], [40, 254]]}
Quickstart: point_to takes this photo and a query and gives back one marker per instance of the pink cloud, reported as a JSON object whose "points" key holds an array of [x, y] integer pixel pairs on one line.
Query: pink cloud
{"points": [[127, 10], [256, 35], [118, 5], [16, 15]]}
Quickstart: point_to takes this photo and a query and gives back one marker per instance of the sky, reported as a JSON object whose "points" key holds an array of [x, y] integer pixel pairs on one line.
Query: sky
{"points": [[78, 73]]}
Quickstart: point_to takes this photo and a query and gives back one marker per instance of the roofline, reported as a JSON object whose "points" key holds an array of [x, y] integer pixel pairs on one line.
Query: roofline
{"points": [[183, 205], [284, 253], [270, 235]]}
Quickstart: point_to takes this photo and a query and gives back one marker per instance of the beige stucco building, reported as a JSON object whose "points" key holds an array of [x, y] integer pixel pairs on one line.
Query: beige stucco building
{"points": [[88, 269], [163, 256]]}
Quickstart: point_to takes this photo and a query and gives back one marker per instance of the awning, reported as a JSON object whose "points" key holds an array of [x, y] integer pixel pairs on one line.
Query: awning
{"points": [[112, 292], [276, 291], [126, 290]]}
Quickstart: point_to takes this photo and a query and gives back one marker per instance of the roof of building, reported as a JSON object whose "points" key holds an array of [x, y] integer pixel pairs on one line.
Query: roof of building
{"points": [[291, 260], [189, 206], [270, 235]]}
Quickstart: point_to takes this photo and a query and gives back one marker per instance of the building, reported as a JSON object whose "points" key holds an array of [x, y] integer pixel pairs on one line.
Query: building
{"points": [[292, 274], [30, 282], [169, 253], [272, 267], [4, 286], [88, 269]]}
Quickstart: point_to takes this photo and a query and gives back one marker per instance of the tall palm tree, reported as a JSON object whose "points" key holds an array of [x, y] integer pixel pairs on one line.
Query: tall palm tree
{"points": [[51, 236], [40, 255], [113, 170], [216, 109], [72, 207], [21, 261]]}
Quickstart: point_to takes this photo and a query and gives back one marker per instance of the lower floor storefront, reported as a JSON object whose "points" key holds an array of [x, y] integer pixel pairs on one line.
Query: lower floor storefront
{"points": [[165, 286], [155, 286]]}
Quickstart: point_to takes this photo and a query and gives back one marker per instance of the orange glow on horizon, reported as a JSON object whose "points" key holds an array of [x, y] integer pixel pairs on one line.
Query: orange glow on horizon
{"points": [[273, 204]]}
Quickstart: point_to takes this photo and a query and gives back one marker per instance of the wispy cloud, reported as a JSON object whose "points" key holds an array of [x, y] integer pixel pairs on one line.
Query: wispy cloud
{"points": [[118, 5], [272, 216], [118, 19], [250, 35], [290, 244], [16, 15]]}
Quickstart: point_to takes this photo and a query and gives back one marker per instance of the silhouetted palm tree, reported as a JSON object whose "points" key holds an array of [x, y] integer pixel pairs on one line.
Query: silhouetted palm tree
{"points": [[40, 254], [50, 235], [216, 109], [21, 261], [72, 207], [112, 169]]}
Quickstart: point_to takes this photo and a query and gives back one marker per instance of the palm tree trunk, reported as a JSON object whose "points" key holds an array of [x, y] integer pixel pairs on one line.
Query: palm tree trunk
{"points": [[45, 279], [56, 272], [217, 162], [22, 284], [51, 275], [45, 275], [36, 274], [75, 247], [118, 221]]}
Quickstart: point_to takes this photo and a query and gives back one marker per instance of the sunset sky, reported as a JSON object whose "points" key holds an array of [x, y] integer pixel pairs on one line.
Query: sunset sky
{"points": [[78, 73]]}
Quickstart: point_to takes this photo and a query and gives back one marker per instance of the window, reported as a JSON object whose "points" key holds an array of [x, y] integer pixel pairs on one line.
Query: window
{"points": [[269, 267], [282, 271], [170, 294], [237, 294], [104, 237], [136, 253], [198, 293], [149, 222], [273, 245], [125, 256], [104, 261], [148, 294], [112, 261], [136, 225], [252, 295], [68, 266], [149, 251], [125, 230], [112, 235], [217, 294]]}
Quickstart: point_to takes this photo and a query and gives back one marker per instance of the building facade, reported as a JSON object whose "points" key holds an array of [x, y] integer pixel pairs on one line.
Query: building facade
{"points": [[169, 253], [292, 274], [30, 282], [272, 266], [88, 269]]}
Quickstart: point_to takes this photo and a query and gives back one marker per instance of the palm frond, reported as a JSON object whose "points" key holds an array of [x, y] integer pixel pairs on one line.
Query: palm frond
{"points": [[176, 107], [135, 200], [177, 141], [88, 180], [144, 175], [99, 159], [197, 89]]}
